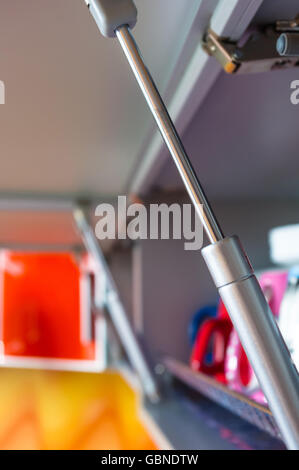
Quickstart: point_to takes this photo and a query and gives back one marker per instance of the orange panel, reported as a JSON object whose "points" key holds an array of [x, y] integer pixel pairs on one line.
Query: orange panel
{"points": [[41, 306]]}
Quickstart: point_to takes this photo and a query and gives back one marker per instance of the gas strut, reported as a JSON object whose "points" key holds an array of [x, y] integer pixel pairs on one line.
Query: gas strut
{"points": [[225, 257]]}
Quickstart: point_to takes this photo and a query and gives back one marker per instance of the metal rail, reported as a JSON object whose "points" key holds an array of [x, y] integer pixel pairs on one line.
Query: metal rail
{"points": [[109, 299]]}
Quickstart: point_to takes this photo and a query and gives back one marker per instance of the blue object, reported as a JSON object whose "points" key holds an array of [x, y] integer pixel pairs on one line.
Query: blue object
{"points": [[209, 311]]}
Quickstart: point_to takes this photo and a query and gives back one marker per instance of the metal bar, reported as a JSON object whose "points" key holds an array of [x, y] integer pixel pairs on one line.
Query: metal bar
{"points": [[243, 297], [267, 352], [170, 135], [113, 305], [258, 331]]}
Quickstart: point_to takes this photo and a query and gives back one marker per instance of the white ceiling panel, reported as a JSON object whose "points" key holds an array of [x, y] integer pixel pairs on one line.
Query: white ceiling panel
{"points": [[74, 120]]}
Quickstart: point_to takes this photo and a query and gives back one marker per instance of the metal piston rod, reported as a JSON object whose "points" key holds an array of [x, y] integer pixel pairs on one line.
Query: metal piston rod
{"points": [[170, 135], [225, 257]]}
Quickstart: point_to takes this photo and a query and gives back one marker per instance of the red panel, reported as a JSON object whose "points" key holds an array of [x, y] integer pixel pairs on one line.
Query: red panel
{"points": [[41, 306]]}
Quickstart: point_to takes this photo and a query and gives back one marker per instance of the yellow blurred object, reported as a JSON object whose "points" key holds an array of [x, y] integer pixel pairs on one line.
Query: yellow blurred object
{"points": [[62, 410]]}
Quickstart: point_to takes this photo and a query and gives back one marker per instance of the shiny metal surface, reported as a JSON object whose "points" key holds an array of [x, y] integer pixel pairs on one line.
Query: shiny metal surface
{"points": [[288, 44], [215, 48], [267, 353], [169, 135], [259, 334], [227, 261], [109, 15], [243, 297]]}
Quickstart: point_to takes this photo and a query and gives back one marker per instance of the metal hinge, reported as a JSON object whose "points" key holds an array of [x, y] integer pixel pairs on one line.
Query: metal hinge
{"points": [[259, 50]]}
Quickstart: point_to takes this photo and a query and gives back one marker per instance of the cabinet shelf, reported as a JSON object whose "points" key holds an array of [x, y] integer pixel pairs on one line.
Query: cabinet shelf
{"points": [[237, 403]]}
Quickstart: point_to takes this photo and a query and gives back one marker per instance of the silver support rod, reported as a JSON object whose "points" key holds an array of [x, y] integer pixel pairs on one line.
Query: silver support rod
{"points": [[226, 261], [258, 331], [113, 305], [170, 135]]}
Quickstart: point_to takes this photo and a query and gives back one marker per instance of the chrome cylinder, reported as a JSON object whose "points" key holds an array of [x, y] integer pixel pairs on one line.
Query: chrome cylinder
{"points": [[258, 332], [288, 44], [169, 135]]}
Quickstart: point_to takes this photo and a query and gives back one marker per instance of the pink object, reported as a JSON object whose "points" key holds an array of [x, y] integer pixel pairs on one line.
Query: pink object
{"points": [[238, 371], [274, 284]]}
